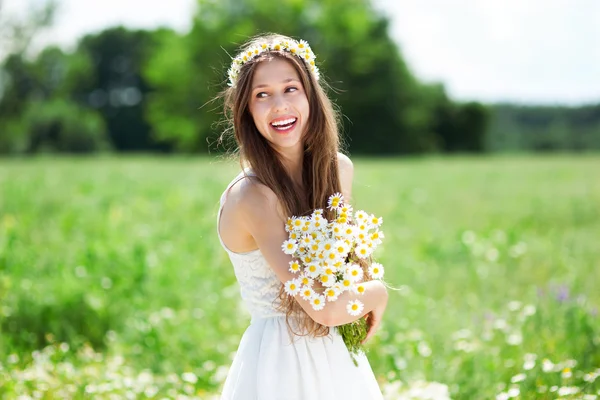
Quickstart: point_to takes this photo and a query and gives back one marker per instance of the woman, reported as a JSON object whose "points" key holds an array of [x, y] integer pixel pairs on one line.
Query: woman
{"points": [[287, 133]]}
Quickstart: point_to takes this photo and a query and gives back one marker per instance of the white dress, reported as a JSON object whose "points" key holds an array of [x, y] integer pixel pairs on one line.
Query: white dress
{"points": [[272, 365]]}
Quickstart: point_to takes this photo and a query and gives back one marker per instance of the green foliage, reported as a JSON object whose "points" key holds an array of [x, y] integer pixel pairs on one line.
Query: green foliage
{"points": [[495, 259], [353, 334], [118, 89], [57, 126], [370, 81], [531, 128]]}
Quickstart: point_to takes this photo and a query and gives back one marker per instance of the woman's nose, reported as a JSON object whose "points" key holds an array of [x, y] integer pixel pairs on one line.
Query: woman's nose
{"points": [[280, 104]]}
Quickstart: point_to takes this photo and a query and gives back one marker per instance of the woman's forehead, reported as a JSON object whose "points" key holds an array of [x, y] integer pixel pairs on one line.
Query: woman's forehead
{"points": [[274, 71]]}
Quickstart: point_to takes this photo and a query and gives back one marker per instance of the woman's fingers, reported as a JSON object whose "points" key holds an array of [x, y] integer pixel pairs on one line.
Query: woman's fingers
{"points": [[373, 324]]}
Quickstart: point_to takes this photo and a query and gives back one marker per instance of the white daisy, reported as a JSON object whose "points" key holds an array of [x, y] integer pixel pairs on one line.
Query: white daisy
{"points": [[355, 307], [362, 251], [346, 282], [307, 293], [359, 288], [292, 287], [375, 221], [341, 249], [307, 227], [349, 231], [289, 246], [335, 201], [294, 235], [306, 240], [355, 272], [332, 293], [294, 266], [296, 223], [317, 302], [327, 280], [303, 45], [337, 230], [360, 216], [307, 259], [361, 236], [376, 270], [313, 269], [377, 236], [331, 257], [306, 280]]}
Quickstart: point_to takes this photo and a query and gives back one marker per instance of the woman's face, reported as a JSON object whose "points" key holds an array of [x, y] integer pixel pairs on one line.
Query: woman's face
{"points": [[278, 104]]}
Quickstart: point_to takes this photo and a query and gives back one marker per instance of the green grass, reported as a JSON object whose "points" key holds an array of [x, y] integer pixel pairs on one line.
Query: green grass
{"points": [[496, 261]]}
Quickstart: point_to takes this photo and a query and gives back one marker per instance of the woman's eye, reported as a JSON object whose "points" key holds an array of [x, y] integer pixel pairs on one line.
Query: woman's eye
{"points": [[261, 95], [291, 89]]}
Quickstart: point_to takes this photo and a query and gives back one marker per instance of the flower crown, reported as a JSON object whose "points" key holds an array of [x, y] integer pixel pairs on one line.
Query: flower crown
{"points": [[300, 49]]}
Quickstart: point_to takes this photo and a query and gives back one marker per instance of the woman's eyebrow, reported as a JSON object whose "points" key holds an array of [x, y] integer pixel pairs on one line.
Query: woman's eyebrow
{"points": [[264, 85]]}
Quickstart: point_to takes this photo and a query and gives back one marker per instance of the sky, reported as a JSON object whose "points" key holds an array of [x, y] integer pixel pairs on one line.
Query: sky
{"points": [[523, 51]]}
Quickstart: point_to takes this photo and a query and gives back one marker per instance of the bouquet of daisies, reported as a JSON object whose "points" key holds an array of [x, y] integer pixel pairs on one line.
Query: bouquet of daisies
{"points": [[331, 257]]}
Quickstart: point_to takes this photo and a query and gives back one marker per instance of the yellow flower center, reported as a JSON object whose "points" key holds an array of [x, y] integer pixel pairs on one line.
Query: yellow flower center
{"points": [[361, 289], [293, 286], [354, 307]]}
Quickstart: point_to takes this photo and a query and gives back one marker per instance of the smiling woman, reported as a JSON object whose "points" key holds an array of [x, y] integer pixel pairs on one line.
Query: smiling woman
{"points": [[287, 133], [279, 106]]}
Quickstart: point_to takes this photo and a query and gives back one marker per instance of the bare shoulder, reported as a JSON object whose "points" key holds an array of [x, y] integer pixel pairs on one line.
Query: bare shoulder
{"points": [[345, 163], [255, 199]]}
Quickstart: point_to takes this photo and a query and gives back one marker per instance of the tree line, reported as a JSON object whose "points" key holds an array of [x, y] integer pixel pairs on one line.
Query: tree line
{"points": [[152, 90]]}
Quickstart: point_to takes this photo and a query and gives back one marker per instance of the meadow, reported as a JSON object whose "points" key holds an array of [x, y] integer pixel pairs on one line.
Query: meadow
{"points": [[113, 283]]}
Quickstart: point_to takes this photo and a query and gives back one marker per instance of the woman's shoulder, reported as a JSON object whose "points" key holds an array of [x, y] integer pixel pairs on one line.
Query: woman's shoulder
{"points": [[344, 162], [250, 195]]}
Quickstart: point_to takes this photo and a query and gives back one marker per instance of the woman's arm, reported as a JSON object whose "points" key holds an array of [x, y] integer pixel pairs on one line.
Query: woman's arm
{"points": [[260, 215]]}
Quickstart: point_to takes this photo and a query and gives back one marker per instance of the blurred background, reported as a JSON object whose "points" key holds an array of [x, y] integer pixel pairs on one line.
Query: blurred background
{"points": [[474, 128], [432, 76]]}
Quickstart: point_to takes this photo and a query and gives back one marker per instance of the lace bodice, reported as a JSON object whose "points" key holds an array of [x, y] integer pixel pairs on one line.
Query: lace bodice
{"points": [[259, 286]]}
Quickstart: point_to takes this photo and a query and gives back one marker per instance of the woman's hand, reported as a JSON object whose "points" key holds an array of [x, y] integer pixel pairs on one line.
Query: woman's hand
{"points": [[374, 317]]}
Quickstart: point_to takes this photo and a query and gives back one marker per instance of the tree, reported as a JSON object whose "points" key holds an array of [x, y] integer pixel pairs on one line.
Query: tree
{"points": [[117, 88], [384, 110]]}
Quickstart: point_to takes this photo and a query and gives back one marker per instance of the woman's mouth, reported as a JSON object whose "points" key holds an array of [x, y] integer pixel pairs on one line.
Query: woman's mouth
{"points": [[284, 125]]}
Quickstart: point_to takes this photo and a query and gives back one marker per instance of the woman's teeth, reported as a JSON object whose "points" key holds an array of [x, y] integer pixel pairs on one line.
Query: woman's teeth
{"points": [[283, 124]]}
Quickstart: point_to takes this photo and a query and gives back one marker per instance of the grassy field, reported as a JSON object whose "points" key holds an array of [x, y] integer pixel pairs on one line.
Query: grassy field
{"points": [[112, 281]]}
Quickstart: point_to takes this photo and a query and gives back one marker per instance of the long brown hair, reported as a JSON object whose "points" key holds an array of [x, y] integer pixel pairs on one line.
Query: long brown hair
{"points": [[320, 173]]}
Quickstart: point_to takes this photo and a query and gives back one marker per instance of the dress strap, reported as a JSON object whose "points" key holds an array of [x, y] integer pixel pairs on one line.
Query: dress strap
{"points": [[245, 173]]}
